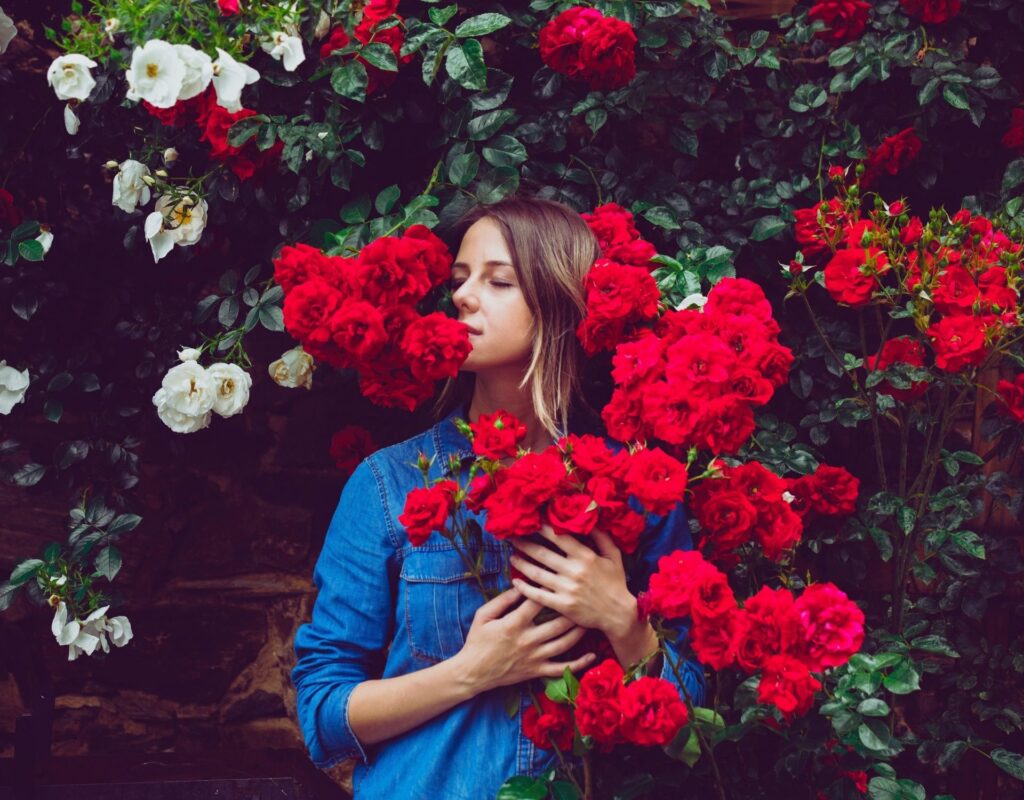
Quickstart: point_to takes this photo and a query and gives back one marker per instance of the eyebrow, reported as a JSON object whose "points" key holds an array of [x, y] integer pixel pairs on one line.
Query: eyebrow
{"points": [[497, 263]]}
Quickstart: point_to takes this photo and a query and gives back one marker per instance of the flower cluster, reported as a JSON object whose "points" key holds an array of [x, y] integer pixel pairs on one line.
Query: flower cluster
{"points": [[360, 313], [618, 237], [959, 275], [371, 28], [695, 378], [190, 394], [785, 638], [585, 44], [646, 711], [749, 503], [844, 20], [85, 635]]}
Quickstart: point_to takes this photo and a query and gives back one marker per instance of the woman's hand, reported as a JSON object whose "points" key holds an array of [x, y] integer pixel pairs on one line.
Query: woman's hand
{"points": [[504, 646], [586, 587]]}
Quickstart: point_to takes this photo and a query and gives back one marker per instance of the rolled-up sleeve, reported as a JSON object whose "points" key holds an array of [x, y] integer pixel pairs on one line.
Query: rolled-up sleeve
{"points": [[346, 641], [665, 535]]}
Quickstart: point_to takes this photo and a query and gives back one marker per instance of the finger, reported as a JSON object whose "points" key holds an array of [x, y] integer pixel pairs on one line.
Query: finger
{"points": [[497, 606], [550, 629], [542, 597], [541, 554], [544, 577], [555, 669], [526, 612], [556, 647], [567, 543], [605, 544]]}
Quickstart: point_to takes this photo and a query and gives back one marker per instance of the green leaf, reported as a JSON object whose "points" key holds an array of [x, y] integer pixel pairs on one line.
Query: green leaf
{"points": [[28, 475], [689, 751], [505, 151], [882, 788], [767, 228], [481, 25], [956, 96], [486, 125], [31, 250], [496, 184], [934, 644], [906, 517], [62, 380], [350, 80], [1009, 762], [902, 680], [439, 16], [386, 199], [71, 453], [841, 56], [1014, 175], [381, 56], [970, 543], [928, 92], [872, 739], [596, 118], [463, 169], [6, 595], [522, 788], [26, 570], [557, 690], [563, 790], [243, 130], [465, 64], [357, 211], [108, 562], [272, 317], [662, 216], [123, 523], [873, 707]]}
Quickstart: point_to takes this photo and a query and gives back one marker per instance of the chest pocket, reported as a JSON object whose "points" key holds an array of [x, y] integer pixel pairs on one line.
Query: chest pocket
{"points": [[440, 598]]}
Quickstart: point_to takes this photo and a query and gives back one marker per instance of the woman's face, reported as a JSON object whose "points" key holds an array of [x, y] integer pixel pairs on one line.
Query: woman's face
{"points": [[486, 292]]}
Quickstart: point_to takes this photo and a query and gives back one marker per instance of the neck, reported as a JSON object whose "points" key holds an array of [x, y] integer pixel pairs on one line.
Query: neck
{"points": [[493, 392]]}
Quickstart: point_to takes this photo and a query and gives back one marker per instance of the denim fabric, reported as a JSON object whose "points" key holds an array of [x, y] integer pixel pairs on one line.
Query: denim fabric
{"points": [[385, 608]]}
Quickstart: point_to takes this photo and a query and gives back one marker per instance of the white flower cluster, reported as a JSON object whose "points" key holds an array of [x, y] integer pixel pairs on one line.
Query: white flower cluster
{"points": [[84, 636], [190, 394]]}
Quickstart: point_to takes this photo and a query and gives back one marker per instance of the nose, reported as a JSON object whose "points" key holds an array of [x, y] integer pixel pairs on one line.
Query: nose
{"points": [[465, 298]]}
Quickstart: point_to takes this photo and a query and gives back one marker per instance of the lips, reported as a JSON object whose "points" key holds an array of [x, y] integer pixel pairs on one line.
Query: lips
{"points": [[471, 330]]}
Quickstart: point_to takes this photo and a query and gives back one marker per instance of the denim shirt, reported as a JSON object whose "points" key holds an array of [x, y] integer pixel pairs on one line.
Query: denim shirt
{"points": [[386, 608]]}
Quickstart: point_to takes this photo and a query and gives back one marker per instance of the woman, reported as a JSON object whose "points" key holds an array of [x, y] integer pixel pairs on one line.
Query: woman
{"points": [[402, 665]]}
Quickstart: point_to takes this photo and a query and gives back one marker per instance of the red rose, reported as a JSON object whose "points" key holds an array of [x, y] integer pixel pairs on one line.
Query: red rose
{"points": [[955, 292], [1013, 139], [389, 383], [336, 40], [1011, 397], [788, 685], [638, 253], [851, 277], [551, 724], [684, 580], [835, 491], [349, 446], [715, 642], [244, 161], [608, 54], [509, 514], [599, 702], [652, 713], [617, 295], [358, 330], [727, 517], [427, 510], [833, 626], [572, 514], [859, 778], [638, 361], [711, 597], [228, 8], [423, 251], [844, 19], [932, 11], [772, 627], [817, 228], [891, 156], [911, 232], [10, 217], [656, 479], [699, 363], [612, 225], [181, 112], [674, 414], [435, 346], [375, 12], [299, 263], [591, 455], [774, 363], [624, 525], [537, 476], [386, 276], [623, 415], [308, 309], [724, 425], [959, 342], [738, 296], [779, 527], [497, 435]]}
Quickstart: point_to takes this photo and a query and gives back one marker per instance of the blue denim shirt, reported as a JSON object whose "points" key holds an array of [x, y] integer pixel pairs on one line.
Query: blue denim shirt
{"points": [[386, 608]]}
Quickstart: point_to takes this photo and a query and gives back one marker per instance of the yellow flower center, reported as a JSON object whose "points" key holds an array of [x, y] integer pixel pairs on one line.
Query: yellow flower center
{"points": [[152, 70]]}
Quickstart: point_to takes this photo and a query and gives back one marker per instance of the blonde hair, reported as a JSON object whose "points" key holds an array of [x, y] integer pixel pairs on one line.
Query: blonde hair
{"points": [[552, 250]]}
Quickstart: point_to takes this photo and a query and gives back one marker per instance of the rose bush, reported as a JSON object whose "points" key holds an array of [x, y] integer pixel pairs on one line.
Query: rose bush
{"points": [[272, 140]]}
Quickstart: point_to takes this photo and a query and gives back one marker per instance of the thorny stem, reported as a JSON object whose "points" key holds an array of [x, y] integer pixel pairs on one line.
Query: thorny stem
{"points": [[876, 430]]}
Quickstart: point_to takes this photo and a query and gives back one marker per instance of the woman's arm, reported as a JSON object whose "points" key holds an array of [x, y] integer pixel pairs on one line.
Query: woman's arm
{"points": [[503, 647]]}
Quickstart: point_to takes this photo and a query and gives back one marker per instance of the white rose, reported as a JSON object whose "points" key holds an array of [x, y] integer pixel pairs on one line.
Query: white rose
{"points": [[77, 636], [285, 48], [71, 120], [120, 630], [189, 354], [293, 369], [129, 187], [70, 77], [13, 385], [198, 71], [229, 78], [185, 398], [156, 73], [8, 30], [175, 223], [231, 388], [170, 155]]}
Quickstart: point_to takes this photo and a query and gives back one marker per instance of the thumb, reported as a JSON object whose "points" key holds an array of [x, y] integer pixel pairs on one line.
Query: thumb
{"points": [[497, 606]]}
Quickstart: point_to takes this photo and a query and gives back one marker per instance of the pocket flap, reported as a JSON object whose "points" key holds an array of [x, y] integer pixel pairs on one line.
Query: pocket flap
{"points": [[446, 565]]}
